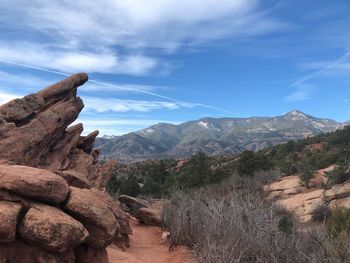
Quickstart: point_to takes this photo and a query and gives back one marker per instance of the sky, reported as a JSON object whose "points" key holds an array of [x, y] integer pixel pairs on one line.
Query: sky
{"points": [[177, 60]]}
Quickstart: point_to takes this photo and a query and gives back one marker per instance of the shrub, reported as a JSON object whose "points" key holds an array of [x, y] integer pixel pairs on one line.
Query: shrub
{"points": [[338, 175], [307, 170], [285, 224], [225, 225], [337, 249], [321, 213], [250, 162], [339, 222], [288, 167], [123, 185]]}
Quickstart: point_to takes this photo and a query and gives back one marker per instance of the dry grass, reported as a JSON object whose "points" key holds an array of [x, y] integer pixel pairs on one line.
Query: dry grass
{"points": [[230, 223]]}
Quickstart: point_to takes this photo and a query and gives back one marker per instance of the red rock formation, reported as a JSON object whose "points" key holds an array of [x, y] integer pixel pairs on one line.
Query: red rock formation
{"points": [[132, 204], [52, 208], [34, 131], [149, 216], [289, 193]]}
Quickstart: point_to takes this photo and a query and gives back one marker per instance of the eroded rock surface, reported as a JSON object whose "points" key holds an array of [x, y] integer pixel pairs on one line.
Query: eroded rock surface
{"points": [[95, 215], [52, 229], [75, 179], [9, 214], [132, 204], [33, 183], [35, 131], [21, 252], [290, 194], [149, 216], [52, 205]]}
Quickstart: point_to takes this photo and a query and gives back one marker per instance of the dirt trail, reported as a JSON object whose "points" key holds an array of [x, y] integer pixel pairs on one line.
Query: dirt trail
{"points": [[147, 246]]}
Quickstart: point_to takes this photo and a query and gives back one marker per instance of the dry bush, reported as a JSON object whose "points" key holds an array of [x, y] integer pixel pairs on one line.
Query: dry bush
{"points": [[225, 224], [321, 213], [338, 249]]}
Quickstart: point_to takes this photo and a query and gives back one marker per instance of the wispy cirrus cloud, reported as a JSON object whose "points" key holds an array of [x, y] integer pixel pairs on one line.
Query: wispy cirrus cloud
{"points": [[93, 87], [153, 23], [115, 36], [103, 104], [302, 92], [5, 97], [302, 86], [40, 55], [11, 81], [120, 105], [118, 127], [323, 69], [342, 67]]}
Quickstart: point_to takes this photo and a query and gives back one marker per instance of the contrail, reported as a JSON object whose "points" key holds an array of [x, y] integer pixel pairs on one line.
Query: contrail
{"points": [[323, 69], [34, 67], [125, 88]]}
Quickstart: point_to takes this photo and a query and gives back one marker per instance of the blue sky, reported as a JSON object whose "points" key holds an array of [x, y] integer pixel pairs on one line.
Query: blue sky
{"points": [[177, 60]]}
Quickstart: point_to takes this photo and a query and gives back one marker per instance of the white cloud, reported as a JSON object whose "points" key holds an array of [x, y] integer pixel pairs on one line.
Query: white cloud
{"points": [[302, 92], [123, 122], [339, 68], [298, 95], [93, 87], [141, 23], [117, 127], [88, 35], [6, 97], [302, 85], [324, 69], [120, 105], [73, 61], [102, 104], [9, 80]]}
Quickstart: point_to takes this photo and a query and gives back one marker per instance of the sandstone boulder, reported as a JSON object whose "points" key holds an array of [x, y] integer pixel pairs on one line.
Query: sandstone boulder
{"points": [[149, 216], [5, 195], [63, 87], [87, 142], [303, 204], [20, 252], [114, 206], [9, 214], [344, 202], [75, 179], [5, 127], [20, 109], [42, 219], [338, 191], [133, 204], [285, 183], [58, 158], [94, 214], [86, 254], [52, 229], [34, 183], [286, 186]]}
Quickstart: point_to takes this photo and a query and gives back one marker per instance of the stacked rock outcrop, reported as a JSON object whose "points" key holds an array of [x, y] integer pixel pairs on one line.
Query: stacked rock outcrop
{"points": [[290, 194], [52, 204], [141, 209]]}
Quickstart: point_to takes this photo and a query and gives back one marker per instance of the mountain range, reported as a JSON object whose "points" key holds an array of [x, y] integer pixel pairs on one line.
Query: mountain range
{"points": [[213, 136]]}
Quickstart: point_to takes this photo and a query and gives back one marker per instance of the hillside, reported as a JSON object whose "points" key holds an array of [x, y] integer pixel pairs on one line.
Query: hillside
{"points": [[258, 199], [304, 157], [213, 136]]}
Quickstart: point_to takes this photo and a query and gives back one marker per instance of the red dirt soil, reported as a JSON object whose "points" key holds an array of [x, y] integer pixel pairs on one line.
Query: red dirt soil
{"points": [[147, 246]]}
